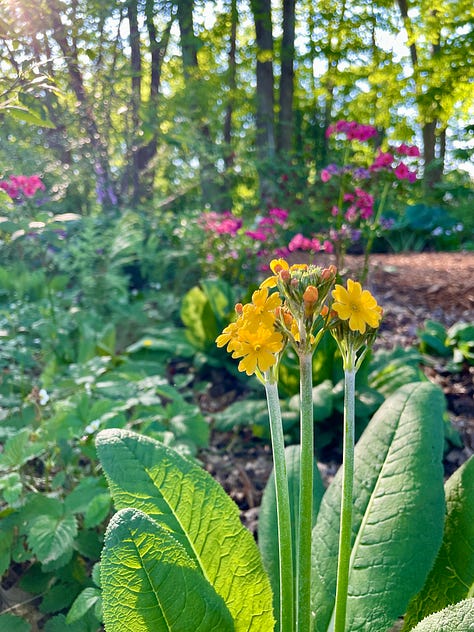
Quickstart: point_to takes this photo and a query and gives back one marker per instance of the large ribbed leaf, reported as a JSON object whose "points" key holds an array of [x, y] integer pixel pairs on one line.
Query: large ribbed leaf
{"points": [[456, 618], [267, 517], [398, 513], [149, 582], [452, 577], [187, 501]]}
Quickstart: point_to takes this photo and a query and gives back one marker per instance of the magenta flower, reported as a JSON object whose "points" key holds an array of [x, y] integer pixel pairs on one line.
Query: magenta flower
{"points": [[352, 130], [325, 175], [279, 214], [408, 150], [402, 172], [257, 235], [18, 185], [383, 160]]}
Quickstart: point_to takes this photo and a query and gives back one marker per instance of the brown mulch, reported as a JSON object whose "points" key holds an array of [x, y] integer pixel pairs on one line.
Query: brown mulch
{"points": [[411, 287]]}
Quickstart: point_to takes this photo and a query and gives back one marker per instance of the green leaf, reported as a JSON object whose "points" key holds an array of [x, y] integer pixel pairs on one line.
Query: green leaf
{"points": [[149, 582], [98, 510], [51, 537], [81, 496], [398, 513], [85, 600], [11, 487], [19, 449], [239, 414], [456, 618], [452, 576], [267, 517], [27, 116], [11, 623], [187, 501]]}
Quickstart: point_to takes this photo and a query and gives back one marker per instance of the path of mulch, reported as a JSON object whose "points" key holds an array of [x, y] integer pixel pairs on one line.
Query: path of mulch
{"points": [[411, 288]]}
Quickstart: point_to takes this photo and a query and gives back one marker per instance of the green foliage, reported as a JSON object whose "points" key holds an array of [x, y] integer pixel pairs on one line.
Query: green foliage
{"points": [[421, 226], [454, 344], [398, 513], [192, 516], [452, 577], [167, 591], [450, 619]]}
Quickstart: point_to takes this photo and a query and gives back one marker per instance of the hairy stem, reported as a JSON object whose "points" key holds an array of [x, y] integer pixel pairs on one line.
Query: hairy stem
{"points": [[305, 523], [283, 510], [345, 530]]}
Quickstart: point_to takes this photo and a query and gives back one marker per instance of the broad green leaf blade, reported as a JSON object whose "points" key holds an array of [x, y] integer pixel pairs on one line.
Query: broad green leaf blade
{"points": [[398, 513], [51, 537], [456, 618], [149, 582], [86, 600], [187, 501], [267, 517], [452, 577], [12, 623]]}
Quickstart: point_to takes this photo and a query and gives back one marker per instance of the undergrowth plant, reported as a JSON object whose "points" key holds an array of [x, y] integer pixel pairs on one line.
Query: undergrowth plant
{"points": [[354, 557]]}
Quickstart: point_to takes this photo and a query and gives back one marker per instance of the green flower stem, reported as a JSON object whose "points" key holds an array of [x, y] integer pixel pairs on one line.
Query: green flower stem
{"points": [[345, 531], [373, 230], [283, 509], [305, 522]]}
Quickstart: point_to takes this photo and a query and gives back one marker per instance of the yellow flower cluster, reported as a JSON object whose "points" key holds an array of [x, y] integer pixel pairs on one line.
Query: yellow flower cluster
{"points": [[253, 336], [268, 323], [357, 306]]}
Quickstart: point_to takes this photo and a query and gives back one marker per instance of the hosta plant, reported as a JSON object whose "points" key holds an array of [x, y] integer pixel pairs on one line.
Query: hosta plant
{"points": [[353, 557]]}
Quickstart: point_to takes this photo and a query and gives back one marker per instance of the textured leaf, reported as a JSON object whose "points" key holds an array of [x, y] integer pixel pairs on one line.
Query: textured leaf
{"points": [[456, 618], [267, 518], [187, 501], [398, 513], [149, 582], [452, 577], [51, 537]]}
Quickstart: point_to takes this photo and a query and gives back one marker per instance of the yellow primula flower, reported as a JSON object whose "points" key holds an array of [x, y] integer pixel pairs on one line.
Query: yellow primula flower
{"points": [[261, 311], [357, 306], [277, 266], [258, 349], [230, 336]]}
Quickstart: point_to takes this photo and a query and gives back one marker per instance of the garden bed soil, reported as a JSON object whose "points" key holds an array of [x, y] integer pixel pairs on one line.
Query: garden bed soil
{"points": [[412, 288]]}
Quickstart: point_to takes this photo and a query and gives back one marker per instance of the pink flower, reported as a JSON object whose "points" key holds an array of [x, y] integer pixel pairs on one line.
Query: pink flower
{"points": [[401, 171], [327, 246], [382, 161], [352, 130], [257, 235], [351, 214], [408, 150], [279, 214], [26, 185], [325, 175], [334, 211]]}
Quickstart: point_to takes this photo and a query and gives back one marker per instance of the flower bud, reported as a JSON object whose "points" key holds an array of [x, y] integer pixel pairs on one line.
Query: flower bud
{"points": [[310, 295]]}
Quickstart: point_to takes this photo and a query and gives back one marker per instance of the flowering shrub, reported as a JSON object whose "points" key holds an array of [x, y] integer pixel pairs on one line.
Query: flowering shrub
{"points": [[362, 190], [19, 187], [231, 249]]}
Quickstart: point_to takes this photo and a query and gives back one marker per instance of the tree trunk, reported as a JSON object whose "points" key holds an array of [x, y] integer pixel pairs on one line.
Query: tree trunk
{"points": [[285, 121], [433, 163], [265, 125]]}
